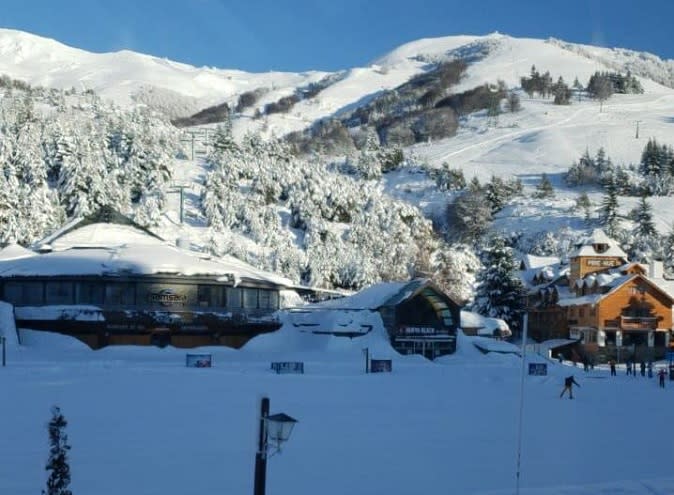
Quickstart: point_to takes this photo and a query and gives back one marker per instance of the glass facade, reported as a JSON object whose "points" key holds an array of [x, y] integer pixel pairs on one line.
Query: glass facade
{"points": [[138, 294], [90, 293], [24, 293], [59, 292], [120, 294]]}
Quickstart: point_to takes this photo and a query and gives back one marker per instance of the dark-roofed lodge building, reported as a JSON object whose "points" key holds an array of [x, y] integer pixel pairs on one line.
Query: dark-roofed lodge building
{"points": [[106, 280]]}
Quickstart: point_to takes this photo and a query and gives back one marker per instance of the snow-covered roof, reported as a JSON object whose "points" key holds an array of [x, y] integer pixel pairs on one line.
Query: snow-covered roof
{"points": [[15, 251], [533, 262], [484, 325], [328, 321], [101, 235], [375, 296], [135, 259], [486, 344], [598, 237], [575, 301]]}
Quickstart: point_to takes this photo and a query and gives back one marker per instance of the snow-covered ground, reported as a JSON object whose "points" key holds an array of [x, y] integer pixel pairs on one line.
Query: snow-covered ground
{"points": [[141, 422]]}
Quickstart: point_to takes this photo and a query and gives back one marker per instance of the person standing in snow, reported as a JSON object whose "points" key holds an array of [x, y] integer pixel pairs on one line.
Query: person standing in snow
{"points": [[569, 382], [643, 368], [661, 377], [611, 363]]}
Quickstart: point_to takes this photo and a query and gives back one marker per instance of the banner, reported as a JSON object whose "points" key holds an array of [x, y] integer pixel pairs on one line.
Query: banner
{"points": [[381, 366], [288, 367], [538, 369], [198, 361]]}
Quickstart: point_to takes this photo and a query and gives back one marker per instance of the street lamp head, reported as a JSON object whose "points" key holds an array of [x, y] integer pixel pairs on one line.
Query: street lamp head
{"points": [[279, 427]]}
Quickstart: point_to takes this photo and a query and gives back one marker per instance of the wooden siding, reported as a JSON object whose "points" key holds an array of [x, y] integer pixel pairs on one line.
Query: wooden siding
{"points": [[630, 297], [584, 265]]}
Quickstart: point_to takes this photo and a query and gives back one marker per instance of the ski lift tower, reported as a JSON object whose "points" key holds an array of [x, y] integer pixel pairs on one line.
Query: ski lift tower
{"points": [[180, 188]]}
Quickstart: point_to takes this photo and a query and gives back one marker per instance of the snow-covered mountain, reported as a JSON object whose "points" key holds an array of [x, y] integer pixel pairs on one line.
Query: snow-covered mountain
{"points": [[299, 213], [181, 89]]}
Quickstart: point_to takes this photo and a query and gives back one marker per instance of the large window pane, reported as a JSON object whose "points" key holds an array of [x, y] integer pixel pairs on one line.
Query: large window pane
{"points": [[90, 293], [24, 293], [250, 298], [233, 298], [265, 298], [120, 294], [209, 296], [59, 293]]}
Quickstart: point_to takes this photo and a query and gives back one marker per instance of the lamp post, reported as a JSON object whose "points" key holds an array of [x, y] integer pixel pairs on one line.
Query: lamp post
{"points": [[274, 430]]}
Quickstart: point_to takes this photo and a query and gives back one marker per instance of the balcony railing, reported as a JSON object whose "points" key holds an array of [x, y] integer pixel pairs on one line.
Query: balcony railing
{"points": [[632, 323], [638, 322]]}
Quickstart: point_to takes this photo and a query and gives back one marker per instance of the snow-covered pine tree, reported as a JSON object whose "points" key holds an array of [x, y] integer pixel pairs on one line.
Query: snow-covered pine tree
{"points": [[499, 292], [608, 213], [468, 217], [368, 162], [57, 464], [583, 203], [83, 176], [223, 140], [655, 167], [644, 242], [544, 189], [668, 251], [455, 268]]}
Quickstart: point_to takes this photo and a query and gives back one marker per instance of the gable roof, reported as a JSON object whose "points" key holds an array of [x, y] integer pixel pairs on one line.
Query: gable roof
{"points": [[383, 294], [586, 247], [614, 284], [95, 230], [15, 251]]}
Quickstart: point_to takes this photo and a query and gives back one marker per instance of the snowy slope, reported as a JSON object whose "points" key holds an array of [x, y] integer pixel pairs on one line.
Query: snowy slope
{"points": [[445, 427], [542, 138], [121, 75]]}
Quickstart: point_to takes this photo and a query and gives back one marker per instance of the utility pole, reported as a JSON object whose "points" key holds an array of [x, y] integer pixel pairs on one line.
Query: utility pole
{"points": [[192, 133]]}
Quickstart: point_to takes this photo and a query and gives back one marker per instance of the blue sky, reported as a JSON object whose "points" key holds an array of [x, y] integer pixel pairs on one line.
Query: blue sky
{"points": [[298, 35]]}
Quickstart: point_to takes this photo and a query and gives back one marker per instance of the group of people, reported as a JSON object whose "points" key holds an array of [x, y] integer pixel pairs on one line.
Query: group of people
{"points": [[570, 381], [644, 368], [631, 368]]}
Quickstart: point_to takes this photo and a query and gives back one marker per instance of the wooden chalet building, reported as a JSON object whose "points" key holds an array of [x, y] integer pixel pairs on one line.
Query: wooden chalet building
{"points": [[106, 280], [613, 309]]}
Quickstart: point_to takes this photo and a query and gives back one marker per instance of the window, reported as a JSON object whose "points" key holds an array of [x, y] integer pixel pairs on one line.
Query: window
{"points": [[265, 298], [120, 293], [250, 298], [90, 293], [581, 312], [24, 293], [209, 295], [233, 297], [59, 293]]}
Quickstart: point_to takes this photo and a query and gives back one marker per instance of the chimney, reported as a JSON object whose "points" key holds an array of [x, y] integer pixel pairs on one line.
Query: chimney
{"points": [[655, 269]]}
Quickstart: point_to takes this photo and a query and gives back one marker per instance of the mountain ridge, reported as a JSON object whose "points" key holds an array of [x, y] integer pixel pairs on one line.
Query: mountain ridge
{"points": [[125, 75]]}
